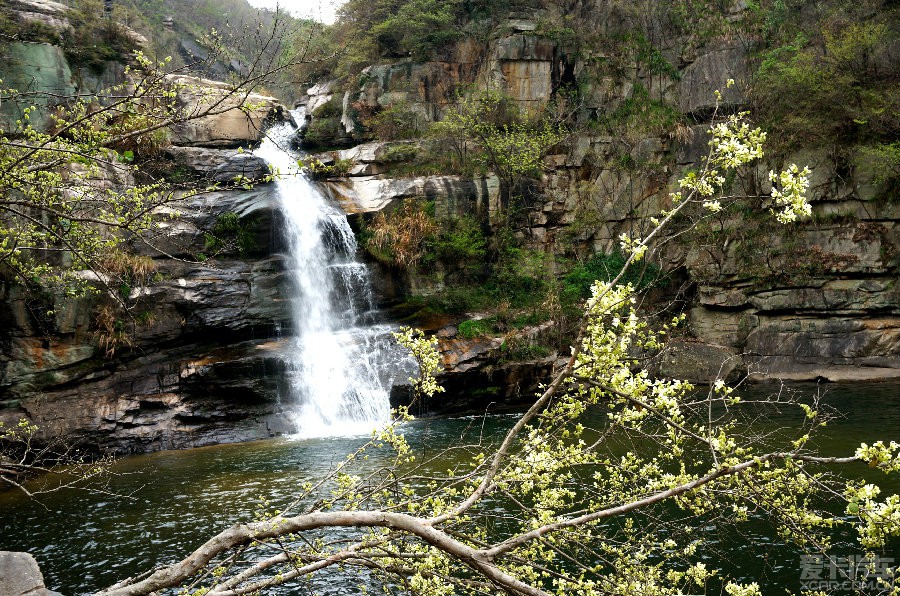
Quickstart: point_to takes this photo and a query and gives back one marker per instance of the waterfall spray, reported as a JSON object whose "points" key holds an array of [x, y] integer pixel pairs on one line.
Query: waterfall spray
{"points": [[341, 362]]}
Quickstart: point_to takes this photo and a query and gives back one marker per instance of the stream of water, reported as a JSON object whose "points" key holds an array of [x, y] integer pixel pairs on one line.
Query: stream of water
{"points": [[342, 362]]}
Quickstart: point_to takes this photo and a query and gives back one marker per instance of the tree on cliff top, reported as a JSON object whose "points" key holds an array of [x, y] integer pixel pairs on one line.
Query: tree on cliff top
{"points": [[562, 505]]}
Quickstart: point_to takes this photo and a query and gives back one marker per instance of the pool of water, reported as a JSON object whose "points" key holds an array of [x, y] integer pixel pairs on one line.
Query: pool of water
{"points": [[178, 499]]}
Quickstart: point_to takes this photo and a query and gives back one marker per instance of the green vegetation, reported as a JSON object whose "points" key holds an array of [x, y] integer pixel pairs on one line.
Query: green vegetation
{"points": [[91, 41], [605, 267], [397, 121], [401, 153], [459, 243], [231, 233], [837, 91], [474, 328], [96, 40], [323, 133], [830, 80], [491, 132], [330, 109], [484, 131], [517, 349], [236, 34], [640, 116], [417, 28], [340, 167]]}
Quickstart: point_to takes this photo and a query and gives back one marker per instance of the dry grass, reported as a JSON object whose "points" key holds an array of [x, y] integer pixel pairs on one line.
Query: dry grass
{"points": [[123, 264], [112, 333], [399, 238]]}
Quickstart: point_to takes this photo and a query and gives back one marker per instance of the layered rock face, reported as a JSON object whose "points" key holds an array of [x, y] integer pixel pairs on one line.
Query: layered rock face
{"points": [[198, 361], [814, 300], [205, 365]]}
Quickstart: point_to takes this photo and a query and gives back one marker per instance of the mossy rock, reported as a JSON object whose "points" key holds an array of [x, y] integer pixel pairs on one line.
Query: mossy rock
{"points": [[34, 67]]}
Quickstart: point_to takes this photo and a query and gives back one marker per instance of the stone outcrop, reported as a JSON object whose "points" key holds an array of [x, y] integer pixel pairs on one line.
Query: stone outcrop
{"points": [[452, 195], [21, 576], [522, 64], [223, 124], [33, 67], [708, 73], [46, 13], [219, 165]]}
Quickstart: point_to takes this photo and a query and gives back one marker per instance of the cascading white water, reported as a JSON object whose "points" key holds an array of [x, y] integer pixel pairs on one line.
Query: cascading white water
{"points": [[340, 363]]}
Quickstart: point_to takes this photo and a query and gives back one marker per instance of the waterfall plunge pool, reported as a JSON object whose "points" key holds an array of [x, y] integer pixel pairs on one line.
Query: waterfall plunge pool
{"points": [[86, 541]]}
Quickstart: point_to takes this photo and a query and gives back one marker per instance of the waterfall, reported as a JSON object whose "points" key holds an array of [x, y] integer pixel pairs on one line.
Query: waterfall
{"points": [[341, 362]]}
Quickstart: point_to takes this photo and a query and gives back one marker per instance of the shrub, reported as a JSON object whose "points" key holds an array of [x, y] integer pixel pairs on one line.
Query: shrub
{"points": [[830, 87], [111, 331], [640, 115], [488, 131], [95, 40], [418, 28], [400, 153], [230, 233], [397, 121], [323, 132], [518, 349], [460, 241], [333, 108], [577, 284], [340, 167], [37, 31]]}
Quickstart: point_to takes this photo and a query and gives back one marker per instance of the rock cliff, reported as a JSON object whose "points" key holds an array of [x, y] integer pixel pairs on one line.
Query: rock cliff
{"points": [[814, 300], [198, 360], [204, 363]]}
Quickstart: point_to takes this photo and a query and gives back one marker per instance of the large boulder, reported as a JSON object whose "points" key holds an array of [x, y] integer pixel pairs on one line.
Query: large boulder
{"points": [[220, 165], [216, 115], [21, 576]]}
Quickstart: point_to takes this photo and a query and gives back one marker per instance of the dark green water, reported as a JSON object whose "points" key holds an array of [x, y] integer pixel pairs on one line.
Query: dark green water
{"points": [[87, 541]]}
